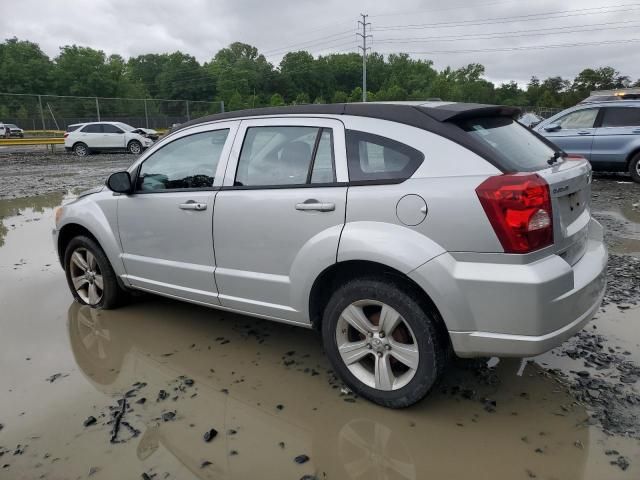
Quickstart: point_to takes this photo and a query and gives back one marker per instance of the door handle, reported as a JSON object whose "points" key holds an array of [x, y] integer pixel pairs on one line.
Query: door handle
{"points": [[635, 130], [192, 205], [584, 132], [314, 205]]}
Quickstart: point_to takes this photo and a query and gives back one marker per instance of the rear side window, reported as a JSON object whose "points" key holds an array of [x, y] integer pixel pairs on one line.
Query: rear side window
{"points": [[516, 148], [285, 155], [95, 128], [621, 117], [373, 158], [72, 128]]}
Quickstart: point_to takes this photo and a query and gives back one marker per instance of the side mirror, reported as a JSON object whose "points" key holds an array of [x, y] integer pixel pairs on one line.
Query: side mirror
{"points": [[552, 127], [119, 182]]}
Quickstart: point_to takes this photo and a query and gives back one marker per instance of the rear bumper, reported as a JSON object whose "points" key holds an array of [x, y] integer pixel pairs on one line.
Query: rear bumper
{"points": [[517, 310]]}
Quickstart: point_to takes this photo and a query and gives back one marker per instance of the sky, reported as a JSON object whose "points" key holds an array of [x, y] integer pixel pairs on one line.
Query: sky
{"points": [[497, 33]]}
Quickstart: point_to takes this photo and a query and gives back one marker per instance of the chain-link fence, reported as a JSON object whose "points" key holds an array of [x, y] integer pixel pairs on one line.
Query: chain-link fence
{"points": [[544, 112], [53, 112]]}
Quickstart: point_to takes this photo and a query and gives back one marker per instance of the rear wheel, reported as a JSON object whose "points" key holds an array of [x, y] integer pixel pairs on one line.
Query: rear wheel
{"points": [[634, 168], [89, 274], [134, 147], [383, 341], [81, 150]]}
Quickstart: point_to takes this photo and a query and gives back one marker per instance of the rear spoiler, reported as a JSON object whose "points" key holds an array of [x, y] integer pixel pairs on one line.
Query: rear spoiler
{"points": [[461, 111]]}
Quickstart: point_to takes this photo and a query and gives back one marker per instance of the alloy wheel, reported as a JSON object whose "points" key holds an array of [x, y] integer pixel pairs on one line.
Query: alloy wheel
{"points": [[377, 345], [86, 276]]}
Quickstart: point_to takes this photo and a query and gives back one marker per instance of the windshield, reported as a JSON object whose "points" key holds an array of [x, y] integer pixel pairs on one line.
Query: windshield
{"points": [[517, 148], [124, 126], [11, 125]]}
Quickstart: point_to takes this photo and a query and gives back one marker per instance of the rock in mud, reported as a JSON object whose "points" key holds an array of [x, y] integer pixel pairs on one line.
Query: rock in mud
{"points": [[90, 421], [210, 435], [622, 462]]}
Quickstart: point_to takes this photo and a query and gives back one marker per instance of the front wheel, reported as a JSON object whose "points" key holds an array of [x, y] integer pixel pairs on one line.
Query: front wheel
{"points": [[89, 274], [134, 147], [383, 341], [634, 168]]}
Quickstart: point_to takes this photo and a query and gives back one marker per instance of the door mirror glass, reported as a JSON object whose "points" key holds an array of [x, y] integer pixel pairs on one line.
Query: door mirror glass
{"points": [[119, 182], [552, 127]]}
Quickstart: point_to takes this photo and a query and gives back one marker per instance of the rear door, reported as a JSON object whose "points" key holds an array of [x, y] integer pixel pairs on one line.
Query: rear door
{"points": [[617, 135], [576, 131], [280, 211]]}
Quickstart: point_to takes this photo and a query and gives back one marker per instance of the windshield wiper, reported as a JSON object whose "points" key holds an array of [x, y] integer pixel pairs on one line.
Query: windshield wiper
{"points": [[554, 158]]}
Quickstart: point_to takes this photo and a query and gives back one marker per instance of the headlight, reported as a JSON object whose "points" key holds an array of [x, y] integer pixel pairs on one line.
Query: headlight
{"points": [[57, 214]]}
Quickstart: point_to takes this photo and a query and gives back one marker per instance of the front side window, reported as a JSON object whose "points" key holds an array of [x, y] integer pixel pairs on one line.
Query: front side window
{"points": [[621, 117], [94, 128], [580, 119], [186, 163], [108, 128], [279, 155], [375, 158]]}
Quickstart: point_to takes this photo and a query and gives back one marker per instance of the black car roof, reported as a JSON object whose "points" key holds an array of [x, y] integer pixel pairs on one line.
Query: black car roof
{"points": [[421, 115], [436, 117]]}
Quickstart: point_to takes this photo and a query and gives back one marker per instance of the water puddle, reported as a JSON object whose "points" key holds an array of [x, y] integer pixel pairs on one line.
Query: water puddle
{"points": [[169, 373]]}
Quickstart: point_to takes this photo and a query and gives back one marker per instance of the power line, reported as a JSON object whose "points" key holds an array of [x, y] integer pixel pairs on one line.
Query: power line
{"points": [[527, 47], [521, 18], [512, 34], [295, 45]]}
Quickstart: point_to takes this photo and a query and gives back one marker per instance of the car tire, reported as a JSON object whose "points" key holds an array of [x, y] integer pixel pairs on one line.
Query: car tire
{"points": [[81, 149], [90, 276], [634, 168], [134, 147], [379, 375]]}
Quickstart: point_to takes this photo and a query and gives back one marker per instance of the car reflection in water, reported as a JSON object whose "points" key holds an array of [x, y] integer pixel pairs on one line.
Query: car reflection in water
{"points": [[446, 436]]}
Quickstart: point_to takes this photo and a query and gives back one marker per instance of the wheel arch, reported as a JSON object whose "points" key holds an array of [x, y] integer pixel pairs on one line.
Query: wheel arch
{"points": [[339, 273], [635, 151]]}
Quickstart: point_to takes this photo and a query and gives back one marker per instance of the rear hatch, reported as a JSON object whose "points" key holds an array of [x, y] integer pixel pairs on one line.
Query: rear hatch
{"points": [[514, 149]]}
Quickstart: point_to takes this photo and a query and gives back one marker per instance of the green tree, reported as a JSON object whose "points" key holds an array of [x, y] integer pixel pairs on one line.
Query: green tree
{"points": [[276, 100]]}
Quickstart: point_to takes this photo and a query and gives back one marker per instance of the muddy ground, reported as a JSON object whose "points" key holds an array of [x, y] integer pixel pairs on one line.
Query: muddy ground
{"points": [[161, 389]]}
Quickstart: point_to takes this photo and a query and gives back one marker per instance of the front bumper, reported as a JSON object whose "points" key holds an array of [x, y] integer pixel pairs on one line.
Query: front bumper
{"points": [[521, 310]]}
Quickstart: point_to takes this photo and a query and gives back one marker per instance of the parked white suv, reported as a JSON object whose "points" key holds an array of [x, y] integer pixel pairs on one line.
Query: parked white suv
{"points": [[401, 232], [84, 138]]}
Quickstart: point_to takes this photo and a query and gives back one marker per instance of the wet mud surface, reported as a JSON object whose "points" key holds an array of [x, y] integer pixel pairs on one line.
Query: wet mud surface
{"points": [[161, 389]]}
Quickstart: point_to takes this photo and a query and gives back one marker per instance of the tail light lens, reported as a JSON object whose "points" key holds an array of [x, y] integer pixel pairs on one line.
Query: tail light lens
{"points": [[66, 134], [518, 206]]}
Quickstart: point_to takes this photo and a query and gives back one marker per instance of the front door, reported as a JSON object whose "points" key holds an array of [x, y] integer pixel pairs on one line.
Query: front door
{"points": [[166, 224], [575, 132], [280, 212], [616, 137], [112, 136]]}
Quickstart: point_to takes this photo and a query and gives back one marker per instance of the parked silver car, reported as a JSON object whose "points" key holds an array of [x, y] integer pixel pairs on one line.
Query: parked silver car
{"points": [[402, 232], [607, 133]]}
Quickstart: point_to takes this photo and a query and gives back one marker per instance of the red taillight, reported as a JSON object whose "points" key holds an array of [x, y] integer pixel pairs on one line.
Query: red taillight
{"points": [[519, 208], [66, 134]]}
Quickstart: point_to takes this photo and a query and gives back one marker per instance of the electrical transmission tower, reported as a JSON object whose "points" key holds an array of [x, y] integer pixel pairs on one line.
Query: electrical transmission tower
{"points": [[364, 49]]}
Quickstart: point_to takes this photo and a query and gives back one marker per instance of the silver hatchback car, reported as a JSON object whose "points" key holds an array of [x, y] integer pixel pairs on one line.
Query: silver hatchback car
{"points": [[402, 232]]}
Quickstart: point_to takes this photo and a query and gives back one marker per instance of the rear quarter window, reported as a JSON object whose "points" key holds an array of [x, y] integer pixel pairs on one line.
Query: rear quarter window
{"points": [[373, 158], [516, 148], [621, 117]]}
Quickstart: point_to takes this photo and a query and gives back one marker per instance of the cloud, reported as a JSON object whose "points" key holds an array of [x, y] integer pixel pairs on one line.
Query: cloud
{"points": [[201, 27]]}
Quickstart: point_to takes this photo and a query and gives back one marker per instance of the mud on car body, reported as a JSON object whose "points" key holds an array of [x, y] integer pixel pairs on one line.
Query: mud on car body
{"points": [[402, 232]]}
